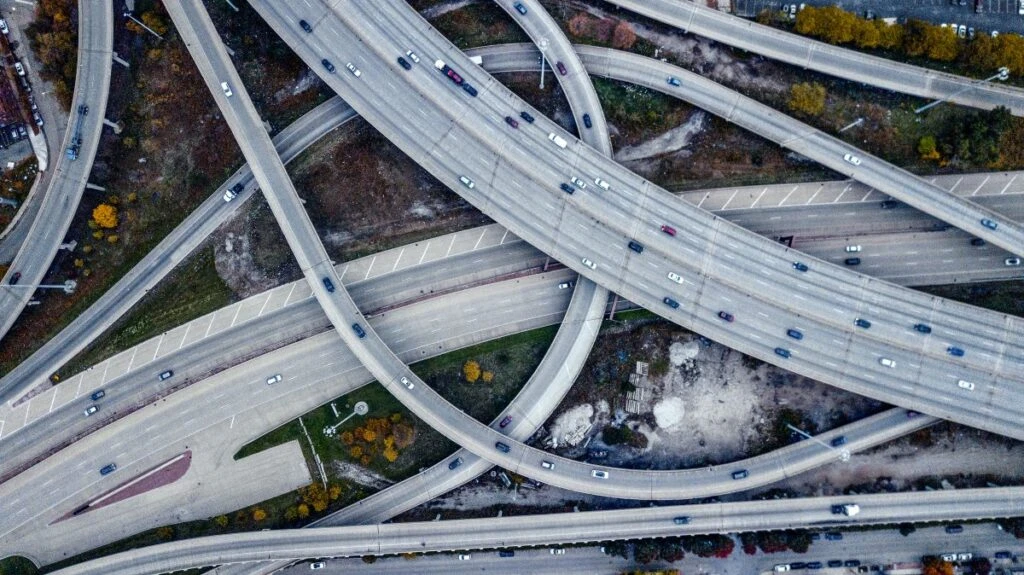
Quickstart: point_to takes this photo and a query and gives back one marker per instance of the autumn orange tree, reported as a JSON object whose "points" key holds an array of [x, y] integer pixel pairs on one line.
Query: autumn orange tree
{"points": [[471, 370], [936, 566], [53, 36], [105, 216]]}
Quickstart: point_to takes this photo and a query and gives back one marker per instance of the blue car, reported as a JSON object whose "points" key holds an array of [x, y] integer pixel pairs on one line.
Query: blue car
{"points": [[922, 328], [800, 266], [989, 224], [520, 8], [795, 334], [955, 351], [781, 351]]}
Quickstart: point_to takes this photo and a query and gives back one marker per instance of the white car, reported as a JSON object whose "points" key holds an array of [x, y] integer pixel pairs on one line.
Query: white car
{"points": [[465, 557], [273, 379], [602, 184], [467, 182], [965, 556], [407, 383], [412, 56], [19, 68], [962, 31], [1012, 261], [227, 92], [781, 568], [1020, 9], [317, 565], [887, 362], [599, 474], [91, 410], [968, 385], [675, 277], [852, 159], [589, 264], [558, 551], [547, 465], [949, 557], [579, 183], [3, 26], [852, 248], [355, 71]]}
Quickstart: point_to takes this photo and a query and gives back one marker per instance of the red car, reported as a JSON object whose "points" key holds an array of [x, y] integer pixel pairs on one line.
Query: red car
{"points": [[511, 121], [726, 316], [669, 230], [561, 68], [506, 421]]}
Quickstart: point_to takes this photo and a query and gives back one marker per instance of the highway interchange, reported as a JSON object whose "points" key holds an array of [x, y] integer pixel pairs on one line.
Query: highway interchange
{"points": [[710, 279]]}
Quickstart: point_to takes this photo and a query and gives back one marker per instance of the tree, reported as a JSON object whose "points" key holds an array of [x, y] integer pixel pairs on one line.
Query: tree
{"points": [[105, 216], [935, 566], [404, 435], [391, 454], [907, 529], [581, 25], [927, 148], [623, 37], [315, 496], [645, 551], [155, 22], [258, 515], [112, 238], [807, 98], [488, 376], [221, 520], [347, 437], [303, 511], [334, 491], [471, 370]]}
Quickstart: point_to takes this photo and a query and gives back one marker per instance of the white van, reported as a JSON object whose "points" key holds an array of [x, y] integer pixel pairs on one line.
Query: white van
{"points": [[558, 140]]}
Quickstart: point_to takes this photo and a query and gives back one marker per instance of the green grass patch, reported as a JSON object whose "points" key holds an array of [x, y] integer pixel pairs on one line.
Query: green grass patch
{"points": [[480, 24], [192, 290]]}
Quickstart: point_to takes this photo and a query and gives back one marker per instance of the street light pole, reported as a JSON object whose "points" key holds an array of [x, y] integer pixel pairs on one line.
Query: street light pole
{"points": [[844, 454], [1002, 76], [542, 45]]}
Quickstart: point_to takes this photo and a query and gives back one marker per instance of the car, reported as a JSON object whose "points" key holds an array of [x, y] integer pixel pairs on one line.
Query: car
{"points": [[795, 334], [923, 328], [1012, 261], [833, 536], [589, 264], [1020, 7], [508, 553], [668, 230], [408, 384], [511, 121], [781, 567], [740, 474], [675, 277], [599, 474], [520, 8], [841, 440], [814, 565], [507, 420], [850, 158], [557, 551], [852, 261], [404, 63], [3, 26], [566, 285], [671, 303], [989, 224], [948, 557], [91, 410], [38, 119], [726, 316], [887, 362], [970, 30], [851, 249], [955, 351], [526, 116], [782, 352], [862, 323], [233, 192], [598, 453], [165, 375], [994, 33], [889, 204], [305, 26], [567, 188], [797, 565], [681, 520], [969, 386], [328, 65], [851, 563], [455, 463], [561, 68], [412, 56], [19, 68], [273, 379], [108, 469], [352, 68], [965, 556], [328, 285], [502, 447], [954, 529], [227, 89], [97, 395], [912, 413], [14, 278], [469, 89], [800, 266], [636, 246], [977, 242], [359, 330], [587, 122], [602, 184], [547, 464], [835, 563], [673, 81], [317, 566], [467, 182], [579, 183], [465, 557], [962, 31], [1003, 555]]}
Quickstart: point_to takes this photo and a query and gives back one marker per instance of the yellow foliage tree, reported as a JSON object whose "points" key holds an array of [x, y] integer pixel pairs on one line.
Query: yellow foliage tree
{"points": [[97, 235], [79, 263], [369, 435], [347, 438], [258, 515], [165, 532], [221, 520], [303, 511], [471, 370], [488, 376], [87, 249], [132, 196], [395, 417], [807, 98], [334, 491], [365, 460], [404, 435], [105, 216], [391, 454], [155, 22], [112, 238], [355, 452], [927, 148]]}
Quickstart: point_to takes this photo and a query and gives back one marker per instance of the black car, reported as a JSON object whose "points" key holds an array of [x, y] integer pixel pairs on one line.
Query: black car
{"points": [[526, 117], [587, 122], [798, 565], [404, 63], [835, 563], [841, 440], [889, 204], [469, 89], [814, 565], [977, 242], [567, 188], [97, 395], [671, 303], [502, 447], [954, 529], [455, 463], [923, 328], [851, 563], [852, 261], [509, 553], [327, 64], [329, 285], [108, 469], [14, 278], [862, 323], [305, 26], [359, 330], [636, 247]]}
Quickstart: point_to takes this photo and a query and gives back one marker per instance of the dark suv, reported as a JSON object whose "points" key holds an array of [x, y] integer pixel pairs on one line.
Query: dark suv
{"points": [[327, 64], [329, 285], [359, 330], [305, 26], [636, 247], [561, 68]]}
